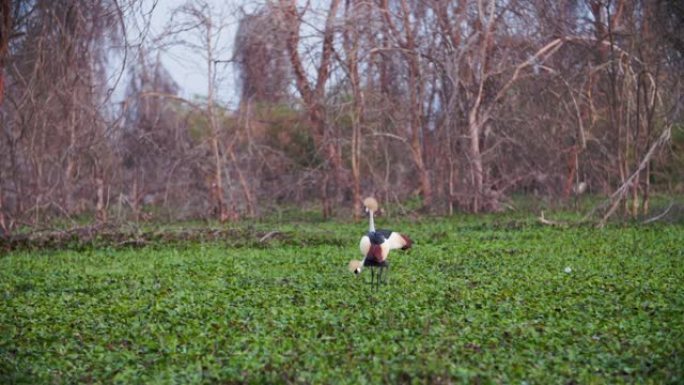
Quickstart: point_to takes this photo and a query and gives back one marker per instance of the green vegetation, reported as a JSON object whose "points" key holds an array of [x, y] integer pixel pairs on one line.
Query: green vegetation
{"points": [[477, 300]]}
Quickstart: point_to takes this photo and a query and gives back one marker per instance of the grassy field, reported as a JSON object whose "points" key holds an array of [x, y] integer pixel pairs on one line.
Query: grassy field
{"points": [[477, 300]]}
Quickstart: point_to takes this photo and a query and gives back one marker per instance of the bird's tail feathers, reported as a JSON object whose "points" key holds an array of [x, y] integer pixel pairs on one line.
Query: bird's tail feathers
{"points": [[399, 241], [407, 242]]}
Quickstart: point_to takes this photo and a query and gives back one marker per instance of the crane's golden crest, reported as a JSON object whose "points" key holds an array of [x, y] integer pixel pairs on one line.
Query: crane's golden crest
{"points": [[371, 204]]}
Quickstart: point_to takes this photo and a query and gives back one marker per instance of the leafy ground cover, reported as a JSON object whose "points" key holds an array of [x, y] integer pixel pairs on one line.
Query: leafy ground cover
{"points": [[477, 300]]}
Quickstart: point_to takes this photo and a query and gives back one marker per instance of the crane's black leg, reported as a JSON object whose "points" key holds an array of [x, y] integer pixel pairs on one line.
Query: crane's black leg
{"points": [[387, 267], [378, 276], [372, 269]]}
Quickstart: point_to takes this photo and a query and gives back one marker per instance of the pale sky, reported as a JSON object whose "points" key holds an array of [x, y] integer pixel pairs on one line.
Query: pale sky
{"points": [[183, 65], [188, 67]]}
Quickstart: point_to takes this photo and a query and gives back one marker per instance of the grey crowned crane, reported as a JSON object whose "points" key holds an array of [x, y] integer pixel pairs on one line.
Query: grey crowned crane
{"points": [[376, 245]]}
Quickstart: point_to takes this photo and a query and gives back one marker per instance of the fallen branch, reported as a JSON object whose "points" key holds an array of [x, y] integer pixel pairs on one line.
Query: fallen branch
{"points": [[548, 221], [268, 235], [659, 216]]}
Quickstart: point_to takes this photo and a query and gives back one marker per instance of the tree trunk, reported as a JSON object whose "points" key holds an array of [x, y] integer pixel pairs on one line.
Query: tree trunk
{"points": [[134, 198], [476, 168], [3, 222], [70, 168], [5, 28], [101, 208], [5, 31], [416, 93], [416, 97], [249, 198], [355, 161], [320, 137], [221, 208], [647, 189], [351, 46]]}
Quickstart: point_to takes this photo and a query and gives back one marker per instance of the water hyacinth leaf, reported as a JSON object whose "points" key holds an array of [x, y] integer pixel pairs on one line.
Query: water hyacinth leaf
{"points": [[474, 301]]}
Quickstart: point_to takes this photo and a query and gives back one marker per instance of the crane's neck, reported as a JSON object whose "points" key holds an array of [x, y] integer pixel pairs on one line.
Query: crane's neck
{"points": [[371, 226]]}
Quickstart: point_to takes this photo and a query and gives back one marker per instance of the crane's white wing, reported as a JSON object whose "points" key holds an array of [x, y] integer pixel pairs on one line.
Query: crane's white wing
{"points": [[364, 245], [398, 241]]}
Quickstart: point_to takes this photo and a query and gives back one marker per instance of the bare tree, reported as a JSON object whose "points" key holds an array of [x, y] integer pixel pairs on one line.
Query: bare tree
{"points": [[5, 33], [313, 93], [202, 20], [356, 16], [407, 44], [53, 123], [458, 103]]}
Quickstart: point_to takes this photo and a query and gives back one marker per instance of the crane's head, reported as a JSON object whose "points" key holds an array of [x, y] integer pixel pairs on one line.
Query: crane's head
{"points": [[355, 266], [370, 204]]}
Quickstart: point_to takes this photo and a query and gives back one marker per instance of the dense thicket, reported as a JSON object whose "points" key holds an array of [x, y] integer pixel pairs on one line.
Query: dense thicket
{"points": [[458, 103]]}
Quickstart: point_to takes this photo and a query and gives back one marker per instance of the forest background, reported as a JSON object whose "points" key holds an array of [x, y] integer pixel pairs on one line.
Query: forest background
{"points": [[433, 106]]}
